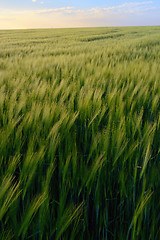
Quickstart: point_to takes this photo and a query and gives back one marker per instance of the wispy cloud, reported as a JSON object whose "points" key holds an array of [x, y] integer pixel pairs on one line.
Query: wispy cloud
{"points": [[53, 10], [127, 5], [133, 4], [128, 13], [96, 10]]}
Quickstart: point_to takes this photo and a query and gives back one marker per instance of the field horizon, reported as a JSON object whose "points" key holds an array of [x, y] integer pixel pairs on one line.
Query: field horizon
{"points": [[54, 28]]}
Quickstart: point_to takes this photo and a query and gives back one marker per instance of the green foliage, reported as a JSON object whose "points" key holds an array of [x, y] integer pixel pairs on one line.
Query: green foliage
{"points": [[79, 134]]}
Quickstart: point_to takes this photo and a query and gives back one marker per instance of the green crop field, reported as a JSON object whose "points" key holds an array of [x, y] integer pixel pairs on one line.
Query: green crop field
{"points": [[80, 134]]}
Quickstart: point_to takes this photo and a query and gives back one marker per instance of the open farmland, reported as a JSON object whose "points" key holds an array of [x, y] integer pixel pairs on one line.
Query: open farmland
{"points": [[80, 134]]}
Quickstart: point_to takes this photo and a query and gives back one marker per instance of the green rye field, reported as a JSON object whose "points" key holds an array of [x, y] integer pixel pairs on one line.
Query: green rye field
{"points": [[80, 134]]}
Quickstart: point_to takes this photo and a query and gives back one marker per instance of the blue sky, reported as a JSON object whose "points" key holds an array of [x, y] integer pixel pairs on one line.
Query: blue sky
{"points": [[78, 13]]}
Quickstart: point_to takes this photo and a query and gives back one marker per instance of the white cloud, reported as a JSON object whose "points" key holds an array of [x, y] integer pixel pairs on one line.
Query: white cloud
{"points": [[133, 4], [129, 13], [126, 5], [54, 10]]}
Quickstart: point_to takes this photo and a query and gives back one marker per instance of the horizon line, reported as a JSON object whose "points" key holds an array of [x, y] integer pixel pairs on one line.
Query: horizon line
{"points": [[45, 28]]}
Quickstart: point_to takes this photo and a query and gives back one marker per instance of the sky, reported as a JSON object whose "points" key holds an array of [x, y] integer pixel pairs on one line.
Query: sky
{"points": [[24, 14]]}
